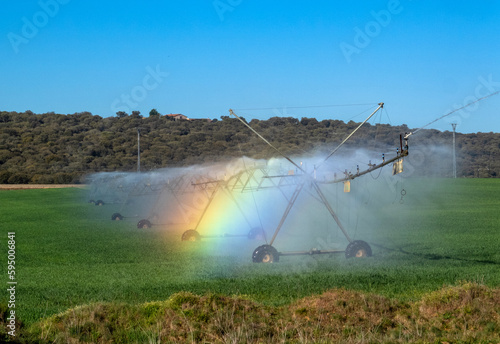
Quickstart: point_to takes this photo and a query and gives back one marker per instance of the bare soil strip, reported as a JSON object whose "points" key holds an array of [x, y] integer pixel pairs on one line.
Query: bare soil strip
{"points": [[39, 186]]}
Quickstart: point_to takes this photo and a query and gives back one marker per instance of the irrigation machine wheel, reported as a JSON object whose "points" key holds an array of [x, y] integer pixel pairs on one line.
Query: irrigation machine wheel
{"points": [[190, 235], [116, 217], [265, 254], [144, 224], [99, 203], [256, 233], [358, 248]]}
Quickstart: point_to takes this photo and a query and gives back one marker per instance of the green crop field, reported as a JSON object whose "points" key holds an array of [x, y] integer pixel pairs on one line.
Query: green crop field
{"points": [[69, 252]]}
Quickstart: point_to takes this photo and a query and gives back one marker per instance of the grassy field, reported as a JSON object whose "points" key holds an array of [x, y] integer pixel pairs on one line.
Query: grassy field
{"points": [[69, 252]]}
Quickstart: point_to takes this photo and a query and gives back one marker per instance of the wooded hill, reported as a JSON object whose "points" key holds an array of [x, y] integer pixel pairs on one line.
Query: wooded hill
{"points": [[53, 148]]}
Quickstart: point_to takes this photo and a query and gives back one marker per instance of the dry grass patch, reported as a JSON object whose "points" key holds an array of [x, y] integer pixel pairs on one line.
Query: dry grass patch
{"points": [[343, 314], [184, 318], [469, 312]]}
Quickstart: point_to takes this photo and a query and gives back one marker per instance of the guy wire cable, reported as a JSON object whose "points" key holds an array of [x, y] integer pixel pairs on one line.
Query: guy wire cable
{"points": [[463, 107], [380, 106], [325, 161]]}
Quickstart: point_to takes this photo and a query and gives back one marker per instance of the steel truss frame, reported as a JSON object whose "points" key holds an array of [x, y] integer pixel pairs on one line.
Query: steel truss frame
{"points": [[247, 180], [356, 248]]}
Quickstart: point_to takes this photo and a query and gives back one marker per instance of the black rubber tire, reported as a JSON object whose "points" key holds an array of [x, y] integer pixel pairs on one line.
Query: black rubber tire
{"points": [[144, 224], [116, 217], [256, 233], [190, 235], [357, 249], [99, 203], [265, 254]]}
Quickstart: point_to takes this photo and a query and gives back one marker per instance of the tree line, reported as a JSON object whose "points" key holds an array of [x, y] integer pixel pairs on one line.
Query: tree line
{"points": [[55, 148]]}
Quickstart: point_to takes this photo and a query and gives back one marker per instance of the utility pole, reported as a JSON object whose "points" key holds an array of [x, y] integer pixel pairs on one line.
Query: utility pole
{"points": [[138, 150], [454, 126]]}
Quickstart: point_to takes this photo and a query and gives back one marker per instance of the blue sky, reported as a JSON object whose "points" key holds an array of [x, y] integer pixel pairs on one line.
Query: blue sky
{"points": [[421, 58]]}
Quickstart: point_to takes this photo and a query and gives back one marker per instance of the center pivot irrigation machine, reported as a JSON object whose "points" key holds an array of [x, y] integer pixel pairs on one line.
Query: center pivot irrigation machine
{"points": [[261, 178], [289, 183], [356, 248]]}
